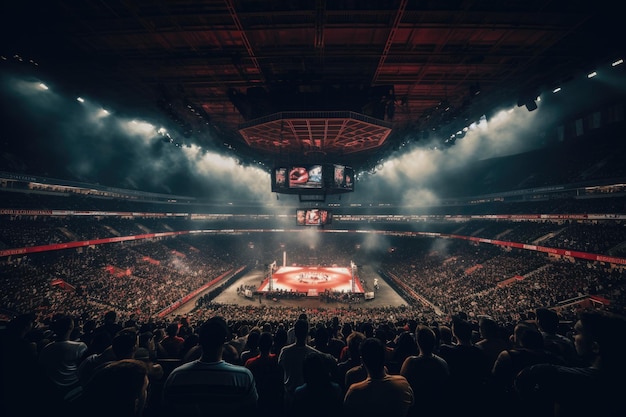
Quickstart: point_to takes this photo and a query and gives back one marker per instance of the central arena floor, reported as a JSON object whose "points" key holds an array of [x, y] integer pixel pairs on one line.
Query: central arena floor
{"points": [[312, 280], [385, 296]]}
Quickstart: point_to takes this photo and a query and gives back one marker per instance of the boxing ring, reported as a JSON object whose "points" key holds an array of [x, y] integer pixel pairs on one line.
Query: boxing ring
{"points": [[312, 280]]}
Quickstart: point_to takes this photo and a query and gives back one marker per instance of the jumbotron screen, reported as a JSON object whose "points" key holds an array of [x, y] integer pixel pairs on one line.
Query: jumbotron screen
{"points": [[343, 177], [313, 217], [312, 179], [305, 176]]}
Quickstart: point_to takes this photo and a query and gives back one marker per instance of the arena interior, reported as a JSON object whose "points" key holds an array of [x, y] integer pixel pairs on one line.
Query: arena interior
{"points": [[520, 209]]}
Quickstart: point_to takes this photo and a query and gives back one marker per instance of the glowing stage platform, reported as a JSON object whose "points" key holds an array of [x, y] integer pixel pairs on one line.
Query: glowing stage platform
{"points": [[312, 280]]}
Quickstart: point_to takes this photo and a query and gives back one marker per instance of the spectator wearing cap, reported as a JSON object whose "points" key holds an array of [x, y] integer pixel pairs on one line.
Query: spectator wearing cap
{"points": [[210, 385]]}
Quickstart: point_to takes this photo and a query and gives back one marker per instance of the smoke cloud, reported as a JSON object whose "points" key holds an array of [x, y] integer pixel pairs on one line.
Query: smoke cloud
{"points": [[432, 171], [48, 133], [60, 137]]}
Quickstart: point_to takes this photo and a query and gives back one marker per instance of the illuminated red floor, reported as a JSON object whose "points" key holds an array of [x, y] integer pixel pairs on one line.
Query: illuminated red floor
{"points": [[312, 280]]}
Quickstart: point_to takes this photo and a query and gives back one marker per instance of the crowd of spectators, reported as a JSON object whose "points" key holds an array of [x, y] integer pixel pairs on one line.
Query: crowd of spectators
{"points": [[141, 278], [580, 237], [493, 332], [604, 237], [451, 275], [487, 280], [460, 278], [489, 367], [60, 303]]}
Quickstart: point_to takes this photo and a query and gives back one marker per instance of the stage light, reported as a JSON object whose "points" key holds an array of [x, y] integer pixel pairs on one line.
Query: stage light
{"points": [[618, 62], [103, 113], [80, 99], [43, 86], [556, 90], [592, 74]]}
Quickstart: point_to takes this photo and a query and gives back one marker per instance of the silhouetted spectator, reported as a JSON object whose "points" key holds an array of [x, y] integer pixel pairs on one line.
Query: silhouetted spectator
{"points": [[292, 357], [467, 364], [19, 370], [120, 388], [268, 377], [123, 346], [319, 395], [492, 341], [405, 346], [110, 324], [172, 343], [210, 385], [548, 322], [380, 394], [59, 361], [353, 360], [427, 374], [595, 389]]}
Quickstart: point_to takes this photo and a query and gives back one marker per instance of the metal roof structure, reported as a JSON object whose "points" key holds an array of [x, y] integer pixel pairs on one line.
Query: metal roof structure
{"points": [[284, 79]]}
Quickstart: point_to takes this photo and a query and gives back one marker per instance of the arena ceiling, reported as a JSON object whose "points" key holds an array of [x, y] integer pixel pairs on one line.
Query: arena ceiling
{"points": [[342, 81]]}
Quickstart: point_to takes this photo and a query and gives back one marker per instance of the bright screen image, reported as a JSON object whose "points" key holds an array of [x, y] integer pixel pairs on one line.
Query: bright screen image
{"points": [[313, 217], [305, 176]]}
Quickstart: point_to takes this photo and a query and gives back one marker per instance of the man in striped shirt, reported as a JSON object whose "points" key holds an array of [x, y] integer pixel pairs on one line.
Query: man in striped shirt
{"points": [[210, 385]]}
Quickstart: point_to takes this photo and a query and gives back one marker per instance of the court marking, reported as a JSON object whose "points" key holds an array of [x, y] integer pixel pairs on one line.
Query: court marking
{"points": [[312, 280]]}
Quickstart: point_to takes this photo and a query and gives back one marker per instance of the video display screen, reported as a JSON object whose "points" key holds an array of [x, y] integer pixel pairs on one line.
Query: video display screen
{"points": [[279, 179], [312, 178], [313, 217], [343, 177], [306, 176]]}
